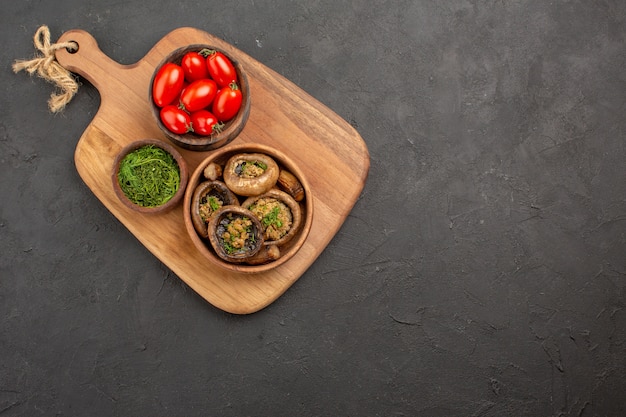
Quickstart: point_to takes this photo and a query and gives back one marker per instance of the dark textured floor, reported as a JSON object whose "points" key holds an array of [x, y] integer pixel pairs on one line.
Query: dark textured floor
{"points": [[481, 273]]}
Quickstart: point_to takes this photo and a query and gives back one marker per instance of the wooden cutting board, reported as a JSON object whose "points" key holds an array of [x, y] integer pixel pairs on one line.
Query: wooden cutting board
{"points": [[328, 150]]}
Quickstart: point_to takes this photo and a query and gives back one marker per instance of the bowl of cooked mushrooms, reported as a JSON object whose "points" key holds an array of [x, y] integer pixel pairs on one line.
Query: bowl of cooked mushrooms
{"points": [[248, 208]]}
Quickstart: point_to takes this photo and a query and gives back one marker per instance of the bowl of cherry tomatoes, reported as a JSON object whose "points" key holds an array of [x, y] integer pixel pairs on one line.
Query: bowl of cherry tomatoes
{"points": [[200, 97]]}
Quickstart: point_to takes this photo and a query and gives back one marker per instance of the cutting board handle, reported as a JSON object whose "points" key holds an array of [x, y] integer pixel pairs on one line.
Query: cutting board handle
{"points": [[88, 61]]}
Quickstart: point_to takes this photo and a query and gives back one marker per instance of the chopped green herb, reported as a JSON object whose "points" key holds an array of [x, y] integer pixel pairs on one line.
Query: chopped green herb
{"points": [[214, 203], [228, 247], [272, 218], [149, 176]]}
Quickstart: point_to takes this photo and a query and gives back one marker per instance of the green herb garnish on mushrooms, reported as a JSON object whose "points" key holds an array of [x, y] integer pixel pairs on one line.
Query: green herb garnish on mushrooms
{"points": [[271, 218], [260, 165], [149, 176], [214, 203]]}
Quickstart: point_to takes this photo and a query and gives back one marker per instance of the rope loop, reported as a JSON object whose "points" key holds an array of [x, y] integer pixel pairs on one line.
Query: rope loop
{"points": [[47, 67]]}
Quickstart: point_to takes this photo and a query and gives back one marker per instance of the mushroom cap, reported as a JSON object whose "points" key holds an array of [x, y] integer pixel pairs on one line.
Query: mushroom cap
{"points": [[202, 190], [217, 226], [250, 186], [294, 207]]}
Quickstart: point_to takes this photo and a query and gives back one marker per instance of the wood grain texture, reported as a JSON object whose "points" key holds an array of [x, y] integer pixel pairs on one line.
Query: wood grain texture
{"points": [[328, 150]]}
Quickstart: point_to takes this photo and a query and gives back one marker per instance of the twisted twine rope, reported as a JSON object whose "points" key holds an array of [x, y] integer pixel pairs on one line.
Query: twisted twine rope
{"points": [[48, 68]]}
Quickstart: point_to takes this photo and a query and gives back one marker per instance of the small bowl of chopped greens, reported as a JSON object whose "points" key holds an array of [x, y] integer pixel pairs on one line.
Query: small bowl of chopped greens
{"points": [[149, 176]]}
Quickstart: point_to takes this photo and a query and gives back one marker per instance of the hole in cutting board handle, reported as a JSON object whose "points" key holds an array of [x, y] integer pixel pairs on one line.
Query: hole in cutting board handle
{"points": [[73, 51]]}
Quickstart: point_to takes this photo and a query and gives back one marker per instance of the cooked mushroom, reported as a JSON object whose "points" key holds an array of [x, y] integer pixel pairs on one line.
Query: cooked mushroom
{"points": [[290, 184], [212, 171], [208, 197], [266, 254], [250, 174], [280, 215], [235, 234]]}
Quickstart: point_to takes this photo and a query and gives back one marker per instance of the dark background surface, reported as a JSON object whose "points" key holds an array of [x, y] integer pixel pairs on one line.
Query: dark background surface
{"points": [[481, 273]]}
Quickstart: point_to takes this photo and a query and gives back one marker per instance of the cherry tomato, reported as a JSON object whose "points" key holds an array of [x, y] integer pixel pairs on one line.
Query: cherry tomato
{"points": [[176, 119], [227, 102], [194, 66], [198, 95], [205, 123], [221, 69], [167, 85]]}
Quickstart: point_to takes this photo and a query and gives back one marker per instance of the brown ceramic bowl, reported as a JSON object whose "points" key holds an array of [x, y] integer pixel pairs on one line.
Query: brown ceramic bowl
{"points": [[182, 165], [289, 249], [232, 128]]}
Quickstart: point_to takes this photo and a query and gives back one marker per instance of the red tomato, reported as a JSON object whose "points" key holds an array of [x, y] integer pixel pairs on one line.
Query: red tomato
{"points": [[194, 66], [167, 84], [221, 69], [205, 123], [227, 102], [198, 95], [176, 119]]}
